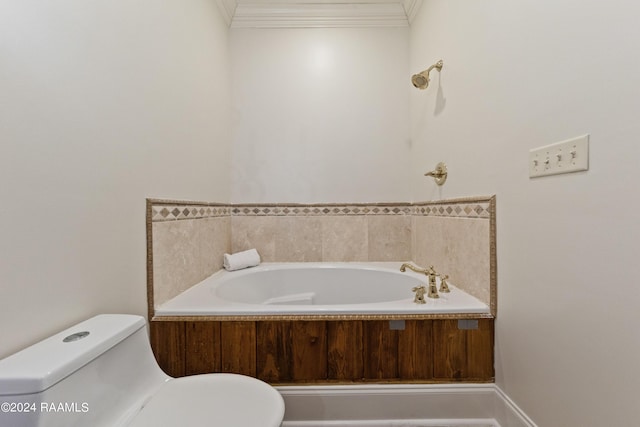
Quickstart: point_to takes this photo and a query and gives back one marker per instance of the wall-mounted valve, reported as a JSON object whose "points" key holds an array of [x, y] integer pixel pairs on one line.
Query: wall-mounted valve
{"points": [[440, 174]]}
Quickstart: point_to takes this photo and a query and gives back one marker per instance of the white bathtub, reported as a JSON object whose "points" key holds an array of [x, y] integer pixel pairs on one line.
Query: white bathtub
{"points": [[316, 289]]}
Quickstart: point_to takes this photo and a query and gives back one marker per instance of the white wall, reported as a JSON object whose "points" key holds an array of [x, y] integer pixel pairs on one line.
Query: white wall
{"points": [[518, 75], [320, 115], [102, 104]]}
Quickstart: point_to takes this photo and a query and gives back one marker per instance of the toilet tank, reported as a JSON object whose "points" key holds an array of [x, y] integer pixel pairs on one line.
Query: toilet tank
{"points": [[97, 373]]}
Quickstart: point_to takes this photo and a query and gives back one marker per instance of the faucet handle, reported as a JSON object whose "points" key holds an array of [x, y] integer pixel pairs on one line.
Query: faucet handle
{"points": [[444, 287], [419, 298]]}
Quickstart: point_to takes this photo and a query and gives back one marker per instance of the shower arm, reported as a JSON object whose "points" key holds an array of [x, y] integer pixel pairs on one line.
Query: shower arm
{"points": [[437, 65]]}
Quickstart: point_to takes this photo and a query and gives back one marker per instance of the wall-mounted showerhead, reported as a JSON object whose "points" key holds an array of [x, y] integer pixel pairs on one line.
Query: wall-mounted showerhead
{"points": [[421, 80]]}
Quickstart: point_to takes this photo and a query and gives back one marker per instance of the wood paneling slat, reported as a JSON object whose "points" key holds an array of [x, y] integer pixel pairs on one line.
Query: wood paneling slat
{"points": [[463, 354], [168, 343], [238, 347], [273, 357], [449, 349], [415, 350], [480, 355], [380, 350], [344, 350], [309, 350], [203, 347]]}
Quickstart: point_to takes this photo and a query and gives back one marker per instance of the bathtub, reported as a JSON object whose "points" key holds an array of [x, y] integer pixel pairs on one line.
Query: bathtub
{"points": [[324, 289]]}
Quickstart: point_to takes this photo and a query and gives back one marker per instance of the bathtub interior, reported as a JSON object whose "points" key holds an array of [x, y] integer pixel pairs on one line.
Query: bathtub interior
{"points": [[318, 286], [316, 289]]}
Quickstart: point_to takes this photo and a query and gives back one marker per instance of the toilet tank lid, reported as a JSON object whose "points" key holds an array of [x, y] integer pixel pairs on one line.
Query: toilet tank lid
{"points": [[45, 363]]}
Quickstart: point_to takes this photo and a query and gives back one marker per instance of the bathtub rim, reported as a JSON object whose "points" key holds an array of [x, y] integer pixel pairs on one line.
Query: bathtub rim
{"points": [[320, 317]]}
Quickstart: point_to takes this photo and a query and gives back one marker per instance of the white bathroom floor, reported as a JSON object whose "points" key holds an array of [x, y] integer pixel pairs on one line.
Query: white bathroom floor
{"points": [[394, 423]]}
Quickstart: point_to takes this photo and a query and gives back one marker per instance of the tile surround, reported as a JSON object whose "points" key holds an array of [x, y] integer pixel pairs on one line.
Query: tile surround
{"points": [[186, 253], [324, 238], [459, 247], [456, 235], [389, 238]]}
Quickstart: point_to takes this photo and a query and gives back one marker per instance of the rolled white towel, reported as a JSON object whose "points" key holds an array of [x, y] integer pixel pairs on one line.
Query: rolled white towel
{"points": [[240, 260]]}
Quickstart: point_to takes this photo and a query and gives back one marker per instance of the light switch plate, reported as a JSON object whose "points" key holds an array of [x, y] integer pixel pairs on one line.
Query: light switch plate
{"points": [[567, 156]]}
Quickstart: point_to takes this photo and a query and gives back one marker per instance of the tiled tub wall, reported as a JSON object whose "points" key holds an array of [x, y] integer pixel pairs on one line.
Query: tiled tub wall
{"points": [[187, 239], [185, 244], [313, 233], [458, 238]]}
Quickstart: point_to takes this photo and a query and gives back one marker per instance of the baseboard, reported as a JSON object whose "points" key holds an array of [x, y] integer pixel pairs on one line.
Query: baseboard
{"points": [[394, 423], [508, 413], [453, 404]]}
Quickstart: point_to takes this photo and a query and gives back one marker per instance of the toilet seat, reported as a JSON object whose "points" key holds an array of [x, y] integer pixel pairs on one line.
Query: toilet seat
{"points": [[224, 400]]}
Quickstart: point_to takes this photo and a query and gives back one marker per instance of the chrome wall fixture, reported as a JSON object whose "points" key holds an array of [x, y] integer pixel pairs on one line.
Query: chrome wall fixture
{"points": [[440, 174], [421, 80]]}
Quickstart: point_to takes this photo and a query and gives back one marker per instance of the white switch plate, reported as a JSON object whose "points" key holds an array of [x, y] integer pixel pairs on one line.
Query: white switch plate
{"points": [[567, 156]]}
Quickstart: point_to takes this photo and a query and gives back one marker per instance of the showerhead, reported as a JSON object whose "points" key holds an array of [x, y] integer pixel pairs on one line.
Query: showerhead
{"points": [[421, 80]]}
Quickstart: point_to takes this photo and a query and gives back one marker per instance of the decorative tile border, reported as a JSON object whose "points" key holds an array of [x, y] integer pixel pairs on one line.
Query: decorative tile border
{"points": [[322, 210], [175, 212], [171, 210], [456, 210]]}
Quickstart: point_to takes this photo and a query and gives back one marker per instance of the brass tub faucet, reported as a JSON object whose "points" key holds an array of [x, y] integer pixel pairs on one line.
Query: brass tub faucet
{"points": [[431, 274], [433, 290]]}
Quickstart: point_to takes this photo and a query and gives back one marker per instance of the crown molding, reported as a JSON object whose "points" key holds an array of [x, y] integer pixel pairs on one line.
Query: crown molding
{"points": [[227, 9], [303, 15], [411, 8], [315, 13]]}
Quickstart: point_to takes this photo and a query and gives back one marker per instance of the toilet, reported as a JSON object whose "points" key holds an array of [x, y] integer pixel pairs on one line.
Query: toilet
{"points": [[102, 373]]}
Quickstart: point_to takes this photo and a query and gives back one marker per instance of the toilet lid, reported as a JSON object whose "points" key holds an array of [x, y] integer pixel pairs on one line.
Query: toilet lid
{"points": [[224, 400]]}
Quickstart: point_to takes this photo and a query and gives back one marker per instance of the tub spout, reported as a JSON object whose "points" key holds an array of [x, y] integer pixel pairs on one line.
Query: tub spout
{"points": [[412, 267]]}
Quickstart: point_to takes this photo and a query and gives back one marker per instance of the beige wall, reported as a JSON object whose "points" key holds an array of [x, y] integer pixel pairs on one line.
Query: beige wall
{"points": [[518, 75], [321, 115], [102, 104]]}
